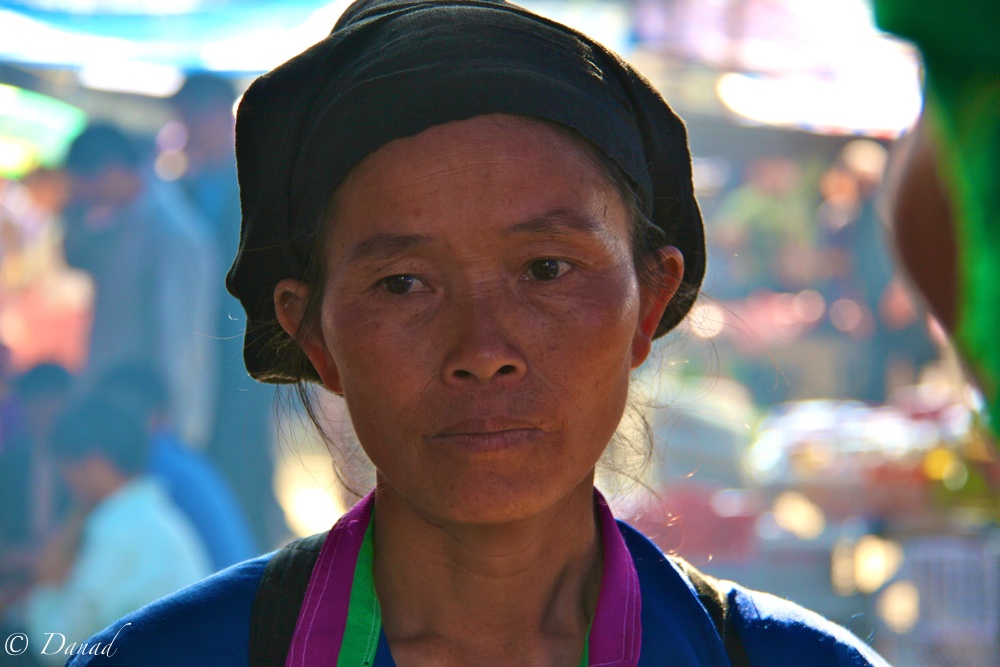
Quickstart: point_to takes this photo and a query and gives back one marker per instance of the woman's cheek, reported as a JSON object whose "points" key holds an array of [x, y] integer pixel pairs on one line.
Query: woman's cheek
{"points": [[365, 340], [603, 314]]}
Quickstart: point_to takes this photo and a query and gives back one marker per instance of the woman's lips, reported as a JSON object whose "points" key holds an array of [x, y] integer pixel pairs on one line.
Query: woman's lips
{"points": [[494, 434]]}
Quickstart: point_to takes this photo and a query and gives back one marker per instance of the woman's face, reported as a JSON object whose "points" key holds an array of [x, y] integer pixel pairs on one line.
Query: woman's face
{"points": [[481, 315]]}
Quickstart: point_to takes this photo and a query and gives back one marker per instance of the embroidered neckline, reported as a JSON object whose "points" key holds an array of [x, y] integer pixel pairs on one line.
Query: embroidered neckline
{"points": [[340, 615]]}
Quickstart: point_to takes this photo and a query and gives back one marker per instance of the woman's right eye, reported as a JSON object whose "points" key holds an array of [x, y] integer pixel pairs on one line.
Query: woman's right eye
{"points": [[401, 284]]}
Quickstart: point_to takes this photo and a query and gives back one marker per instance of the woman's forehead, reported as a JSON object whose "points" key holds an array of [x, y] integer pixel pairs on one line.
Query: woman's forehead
{"points": [[509, 169], [471, 143]]}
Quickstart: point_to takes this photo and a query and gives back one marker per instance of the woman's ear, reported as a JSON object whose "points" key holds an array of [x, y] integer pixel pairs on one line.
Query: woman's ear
{"points": [[669, 270], [290, 300]]}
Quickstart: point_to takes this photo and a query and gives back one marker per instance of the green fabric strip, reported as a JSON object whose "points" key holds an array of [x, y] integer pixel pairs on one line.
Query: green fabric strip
{"points": [[585, 659], [364, 616]]}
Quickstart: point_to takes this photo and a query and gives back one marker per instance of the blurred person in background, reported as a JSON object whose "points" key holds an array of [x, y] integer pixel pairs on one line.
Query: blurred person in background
{"points": [[889, 339], [152, 266], [189, 477], [240, 437], [124, 546], [942, 194], [764, 232], [7, 407], [28, 227], [204, 104], [31, 500]]}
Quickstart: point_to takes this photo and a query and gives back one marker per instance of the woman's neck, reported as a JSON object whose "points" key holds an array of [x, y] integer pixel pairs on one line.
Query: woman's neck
{"points": [[516, 593]]}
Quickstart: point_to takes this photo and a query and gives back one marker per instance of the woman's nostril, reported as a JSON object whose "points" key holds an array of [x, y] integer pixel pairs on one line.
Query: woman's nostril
{"points": [[485, 374]]}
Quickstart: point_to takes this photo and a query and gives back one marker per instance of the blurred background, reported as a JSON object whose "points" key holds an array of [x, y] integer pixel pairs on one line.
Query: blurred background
{"points": [[814, 434]]}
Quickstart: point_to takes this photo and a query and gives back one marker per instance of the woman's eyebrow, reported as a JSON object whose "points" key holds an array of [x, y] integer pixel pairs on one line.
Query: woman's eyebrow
{"points": [[556, 223], [382, 247]]}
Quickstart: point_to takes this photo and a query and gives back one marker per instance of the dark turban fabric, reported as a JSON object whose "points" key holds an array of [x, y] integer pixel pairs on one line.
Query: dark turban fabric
{"points": [[391, 69]]}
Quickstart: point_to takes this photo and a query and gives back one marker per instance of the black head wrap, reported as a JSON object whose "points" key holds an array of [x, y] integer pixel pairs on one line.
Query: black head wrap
{"points": [[393, 68]]}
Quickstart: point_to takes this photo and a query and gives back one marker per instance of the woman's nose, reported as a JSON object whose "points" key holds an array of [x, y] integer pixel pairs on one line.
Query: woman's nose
{"points": [[482, 350]]}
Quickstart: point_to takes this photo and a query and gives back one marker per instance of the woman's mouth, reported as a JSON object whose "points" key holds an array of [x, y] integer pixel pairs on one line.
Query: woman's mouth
{"points": [[488, 434]]}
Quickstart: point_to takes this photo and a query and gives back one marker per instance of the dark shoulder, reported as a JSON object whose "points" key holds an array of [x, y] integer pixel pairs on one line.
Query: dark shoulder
{"points": [[773, 631], [207, 623], [777, 632]]}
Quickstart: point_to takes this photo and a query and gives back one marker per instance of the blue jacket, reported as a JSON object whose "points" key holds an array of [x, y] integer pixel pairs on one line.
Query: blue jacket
{"points": [[208, 624]]}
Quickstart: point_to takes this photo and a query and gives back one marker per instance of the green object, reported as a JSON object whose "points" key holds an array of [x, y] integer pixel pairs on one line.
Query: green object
{"points": [[35, 130], [364, 615], [961, 53]]}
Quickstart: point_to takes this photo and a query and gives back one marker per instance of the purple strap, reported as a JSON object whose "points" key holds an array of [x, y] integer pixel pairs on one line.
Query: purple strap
{"points": [[615, 634], [323, 617]]}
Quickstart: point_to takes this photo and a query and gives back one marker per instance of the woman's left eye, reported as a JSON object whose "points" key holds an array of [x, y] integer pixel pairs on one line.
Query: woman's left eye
{"points": [[547, 269], [402, 284]]}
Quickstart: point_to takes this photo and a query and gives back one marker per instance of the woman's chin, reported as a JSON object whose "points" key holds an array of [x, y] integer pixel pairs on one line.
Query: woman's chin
{"points": [[493, 500]]}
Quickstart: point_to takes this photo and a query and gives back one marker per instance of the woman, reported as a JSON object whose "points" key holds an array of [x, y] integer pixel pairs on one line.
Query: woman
{"points": [[471, 223]]}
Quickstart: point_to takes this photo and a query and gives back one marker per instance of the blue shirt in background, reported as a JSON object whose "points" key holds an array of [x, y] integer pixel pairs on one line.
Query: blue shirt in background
{"points": [[202, 494]]}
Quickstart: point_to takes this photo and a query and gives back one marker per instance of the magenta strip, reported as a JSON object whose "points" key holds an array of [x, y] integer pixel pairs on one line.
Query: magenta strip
{"points": [[319, 630], [616, 633]]}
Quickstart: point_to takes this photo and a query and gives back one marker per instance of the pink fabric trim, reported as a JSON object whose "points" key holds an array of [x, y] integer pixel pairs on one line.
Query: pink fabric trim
{"points": [[323, 617], [616, 632]]}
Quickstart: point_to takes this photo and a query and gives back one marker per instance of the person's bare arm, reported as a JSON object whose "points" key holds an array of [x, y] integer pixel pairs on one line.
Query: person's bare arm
{"points": [[917, 204]]}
